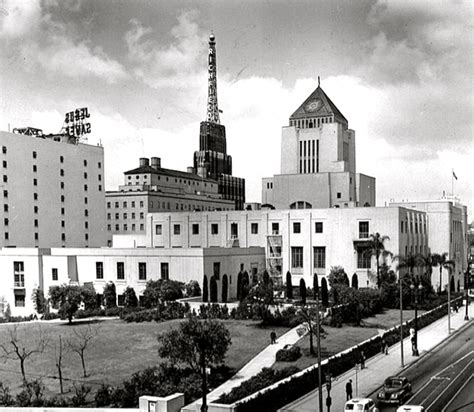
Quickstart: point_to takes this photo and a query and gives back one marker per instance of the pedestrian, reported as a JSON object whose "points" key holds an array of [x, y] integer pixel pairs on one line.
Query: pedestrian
{"points": [[382, 346], [273, 337], [385, 349], [362, 360], [349, 390]]}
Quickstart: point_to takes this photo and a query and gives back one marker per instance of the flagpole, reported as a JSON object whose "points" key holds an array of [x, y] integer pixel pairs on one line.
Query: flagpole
{"points": [[452, 183]]}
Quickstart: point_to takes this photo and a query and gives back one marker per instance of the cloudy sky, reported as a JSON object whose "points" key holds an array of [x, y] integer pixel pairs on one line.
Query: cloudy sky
{"points": [[400, 71]]}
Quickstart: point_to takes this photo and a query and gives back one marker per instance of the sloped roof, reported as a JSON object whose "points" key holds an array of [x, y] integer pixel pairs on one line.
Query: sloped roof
{"points": [[166, 172], [327, 107]]}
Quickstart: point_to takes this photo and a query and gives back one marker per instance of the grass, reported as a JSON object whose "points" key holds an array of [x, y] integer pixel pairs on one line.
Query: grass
{"points": [[119, 350], [339, 339]]}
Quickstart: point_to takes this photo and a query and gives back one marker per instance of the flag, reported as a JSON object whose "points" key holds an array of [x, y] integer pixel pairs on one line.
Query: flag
{"points": [[454, 175]]}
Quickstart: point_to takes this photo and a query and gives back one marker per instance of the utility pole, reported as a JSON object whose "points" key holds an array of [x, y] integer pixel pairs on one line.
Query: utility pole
{"points": [[401, 318], [318, 340]]}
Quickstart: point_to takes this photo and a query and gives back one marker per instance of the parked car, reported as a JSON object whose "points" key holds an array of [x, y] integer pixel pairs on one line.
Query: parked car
{"points": [[410, 408], [360, 404], [396, 389]]}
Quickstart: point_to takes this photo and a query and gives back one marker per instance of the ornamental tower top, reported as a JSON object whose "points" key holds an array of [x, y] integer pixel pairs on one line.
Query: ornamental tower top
{"points": [[212, 108]]}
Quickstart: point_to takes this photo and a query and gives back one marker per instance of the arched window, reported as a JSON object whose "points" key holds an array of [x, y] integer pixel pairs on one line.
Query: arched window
{"points": [[301, 205]]}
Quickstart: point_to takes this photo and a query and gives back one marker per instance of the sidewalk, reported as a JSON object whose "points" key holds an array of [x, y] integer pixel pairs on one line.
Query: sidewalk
{"points": [[381, 366], [264, 359]]}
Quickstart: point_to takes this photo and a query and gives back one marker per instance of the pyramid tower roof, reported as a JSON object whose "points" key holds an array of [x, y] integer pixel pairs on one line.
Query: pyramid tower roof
{"points": [[323, 106]]}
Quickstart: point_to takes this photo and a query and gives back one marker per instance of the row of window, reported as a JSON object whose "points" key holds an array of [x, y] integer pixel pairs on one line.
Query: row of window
{"points": [[189, 182], [413, 227], [142, 270], [125, 227], [125, 216], [319, 258], [234, 228], [125, 204], [311, 123]]}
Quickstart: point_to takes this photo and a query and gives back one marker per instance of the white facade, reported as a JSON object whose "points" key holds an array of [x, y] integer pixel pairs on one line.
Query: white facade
{"points": [[447, 233], [318, 161], [25, 269], [53, 192], [303, 242]]}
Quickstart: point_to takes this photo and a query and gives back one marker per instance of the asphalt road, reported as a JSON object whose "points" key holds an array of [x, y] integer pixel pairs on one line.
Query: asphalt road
{"points": [[443, 379]]}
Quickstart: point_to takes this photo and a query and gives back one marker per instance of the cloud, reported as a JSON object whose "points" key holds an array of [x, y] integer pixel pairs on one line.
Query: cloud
{"points": [[64, 57], [19, 17], [43, 41], [178, 65]]}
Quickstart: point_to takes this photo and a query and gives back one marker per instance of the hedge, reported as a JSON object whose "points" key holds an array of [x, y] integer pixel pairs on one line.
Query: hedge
{"points": [[288, 355], [303, 382]]}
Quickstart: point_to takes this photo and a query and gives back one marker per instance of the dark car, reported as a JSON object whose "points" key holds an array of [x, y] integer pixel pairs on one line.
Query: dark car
{"points": [[396, 389]]}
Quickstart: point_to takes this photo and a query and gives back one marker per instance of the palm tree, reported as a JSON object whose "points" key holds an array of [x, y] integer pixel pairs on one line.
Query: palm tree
{"points": [[441, 260], [428, 261], [408, 261], [376, 248]]}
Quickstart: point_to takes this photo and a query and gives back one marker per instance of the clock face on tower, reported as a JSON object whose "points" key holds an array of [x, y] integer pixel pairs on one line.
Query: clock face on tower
{"points": [[313, 105]]}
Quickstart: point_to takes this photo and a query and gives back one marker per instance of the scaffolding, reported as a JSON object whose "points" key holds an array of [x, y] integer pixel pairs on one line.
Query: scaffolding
{"points": [[274, 259]]}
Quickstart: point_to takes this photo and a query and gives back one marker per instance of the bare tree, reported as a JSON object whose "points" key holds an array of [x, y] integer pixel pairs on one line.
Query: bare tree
{"points": [[82, 340], [61, 349], [22, 349]]}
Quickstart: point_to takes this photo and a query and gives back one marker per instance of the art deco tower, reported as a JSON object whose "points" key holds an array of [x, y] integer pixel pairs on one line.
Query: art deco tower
{"points": [[212, 160]]}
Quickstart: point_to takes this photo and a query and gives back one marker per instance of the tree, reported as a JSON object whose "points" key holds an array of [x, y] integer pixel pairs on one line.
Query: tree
{"points": [[67, 299], [213, 289], [192, 288], [197, 343], [289, 286], [324, 292], [59, 351], [376, 248], [337, 276], [205, 290], [81, 342], [130, 298], [224, 288], [303, 291], [408, 261], [16, 347], [355, 281], [315, 287], [110, 295], [161, 289], [39, 301], [308, 315], [261, 294], [89, 297], [443, 262], [239, 286], [245, 285]]}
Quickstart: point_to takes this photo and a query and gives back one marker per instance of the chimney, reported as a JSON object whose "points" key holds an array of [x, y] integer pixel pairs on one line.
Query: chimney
{"points": [[144, 161], [190, 169], [155, 162]]}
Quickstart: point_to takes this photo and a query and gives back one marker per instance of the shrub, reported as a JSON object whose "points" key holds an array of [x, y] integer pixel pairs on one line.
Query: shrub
{"points": [[290, 354], [192, 288], [130, 298], [205, 290], [110, 295], [213, 289], [289, 286], [297, 386], [265, 378]]}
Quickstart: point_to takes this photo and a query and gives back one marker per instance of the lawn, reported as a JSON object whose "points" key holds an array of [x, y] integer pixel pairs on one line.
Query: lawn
{"points": [[339, 339], [119, 350]]}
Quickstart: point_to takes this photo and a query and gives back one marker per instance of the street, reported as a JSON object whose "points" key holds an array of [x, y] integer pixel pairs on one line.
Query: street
{"points": [[443, 378]]}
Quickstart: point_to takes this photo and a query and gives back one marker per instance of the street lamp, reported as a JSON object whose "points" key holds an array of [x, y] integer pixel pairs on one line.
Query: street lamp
{"points": [[466, 289], [328, 388], [414, 343]]}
